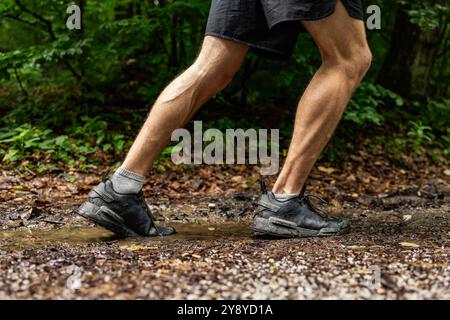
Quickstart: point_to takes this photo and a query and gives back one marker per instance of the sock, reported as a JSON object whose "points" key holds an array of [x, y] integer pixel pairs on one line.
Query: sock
{"points": [[285, 197], [128, 182]]}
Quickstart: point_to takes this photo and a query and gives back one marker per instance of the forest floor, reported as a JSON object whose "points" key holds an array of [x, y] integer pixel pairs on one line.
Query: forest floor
{"points": [[398, 247]]}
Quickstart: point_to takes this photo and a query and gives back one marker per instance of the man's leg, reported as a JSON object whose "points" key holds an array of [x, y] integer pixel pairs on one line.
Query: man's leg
{"points": [[214, 68], [117, 203], [346, 58]]}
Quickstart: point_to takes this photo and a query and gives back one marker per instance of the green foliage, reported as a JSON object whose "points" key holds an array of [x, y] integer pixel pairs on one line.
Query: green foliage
{"points": [[427, 15], [64, 94], [420, 134], [366, 105], [80, 143], [27, 141]]}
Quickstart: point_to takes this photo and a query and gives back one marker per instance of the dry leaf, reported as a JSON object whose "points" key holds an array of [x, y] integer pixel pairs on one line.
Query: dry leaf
{"points": [[407, 217], [326, 170], [362, 271], [409, 244], [133, 247], [357, 247]]}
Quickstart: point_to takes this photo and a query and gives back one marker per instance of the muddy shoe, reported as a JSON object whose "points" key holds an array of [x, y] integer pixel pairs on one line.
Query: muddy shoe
{"points": [[126, 215], [296, 217]]}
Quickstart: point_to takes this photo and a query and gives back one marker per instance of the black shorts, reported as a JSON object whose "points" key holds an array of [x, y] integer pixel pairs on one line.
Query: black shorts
{"points": [[270, 27]]}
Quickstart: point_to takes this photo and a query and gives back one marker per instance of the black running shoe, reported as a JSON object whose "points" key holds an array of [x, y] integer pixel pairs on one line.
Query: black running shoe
{"points": [[296, 217], [127, 215]]}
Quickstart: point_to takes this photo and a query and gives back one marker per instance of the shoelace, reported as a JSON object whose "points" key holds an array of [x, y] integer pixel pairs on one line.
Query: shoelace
{"points": [[142, 201], [307, 200], [105, 175], [302, 198], [144, 206]]}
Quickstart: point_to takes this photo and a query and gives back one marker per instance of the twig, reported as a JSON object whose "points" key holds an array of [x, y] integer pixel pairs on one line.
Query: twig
{"points": [[49, 28], [46, 22], [19, 81]]}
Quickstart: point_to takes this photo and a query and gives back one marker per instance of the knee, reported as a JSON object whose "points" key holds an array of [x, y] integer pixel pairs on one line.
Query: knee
{"points": [[215, 75], [210, 78], [363, 61], [354, 65]]}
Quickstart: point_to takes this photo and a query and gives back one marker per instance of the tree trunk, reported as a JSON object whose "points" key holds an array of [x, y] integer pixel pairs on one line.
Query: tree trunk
{"points": [[409, 63]]}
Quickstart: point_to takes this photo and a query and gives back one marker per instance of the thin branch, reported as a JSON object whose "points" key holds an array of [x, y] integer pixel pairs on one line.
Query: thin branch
{"points": [[19, 81], [16, 17], [49, 28], [46, 22], [71, 69]]}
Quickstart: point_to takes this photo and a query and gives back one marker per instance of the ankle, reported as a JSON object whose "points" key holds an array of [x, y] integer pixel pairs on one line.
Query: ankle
{"points": [[285, 196], [285, 190], [126, 181]]}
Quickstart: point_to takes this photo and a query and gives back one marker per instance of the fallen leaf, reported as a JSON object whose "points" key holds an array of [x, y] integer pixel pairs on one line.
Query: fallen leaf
{"points": [[407, 217], [447, 172], [362, 271], [357, 247], [32, 213], [196, 256], [163, 271], [409, 244], [175, 185], [326, 170], [237, 179], [133, 247]]}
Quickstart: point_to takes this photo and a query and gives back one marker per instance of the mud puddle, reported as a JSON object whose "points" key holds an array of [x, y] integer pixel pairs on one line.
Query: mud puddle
{"points": [[35, 238]]}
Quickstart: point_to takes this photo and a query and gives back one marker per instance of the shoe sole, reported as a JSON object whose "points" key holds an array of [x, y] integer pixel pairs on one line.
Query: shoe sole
{"points": [[287, 229], [105, 218]]}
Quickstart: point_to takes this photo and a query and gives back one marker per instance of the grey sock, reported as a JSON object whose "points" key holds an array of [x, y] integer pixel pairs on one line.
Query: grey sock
{"points": [[125, 181], [285, 197]]}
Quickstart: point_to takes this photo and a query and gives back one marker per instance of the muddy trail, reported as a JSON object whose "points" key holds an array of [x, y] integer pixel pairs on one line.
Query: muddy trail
{"points": [[398, 248]]}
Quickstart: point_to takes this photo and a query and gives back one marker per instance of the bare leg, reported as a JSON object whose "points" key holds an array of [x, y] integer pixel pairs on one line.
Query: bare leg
{"points": [[346, 58], [214, 68]]}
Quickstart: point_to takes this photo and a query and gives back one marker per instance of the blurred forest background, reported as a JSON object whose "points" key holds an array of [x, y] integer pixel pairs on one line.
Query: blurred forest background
{"points": [[78, 98]]}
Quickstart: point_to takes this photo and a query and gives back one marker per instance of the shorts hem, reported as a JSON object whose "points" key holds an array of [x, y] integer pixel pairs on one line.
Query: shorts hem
{"points": [[305, 17]]}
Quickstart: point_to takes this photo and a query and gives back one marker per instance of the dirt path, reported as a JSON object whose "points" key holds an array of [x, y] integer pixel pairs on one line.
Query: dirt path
{"points": [[398, 248]]}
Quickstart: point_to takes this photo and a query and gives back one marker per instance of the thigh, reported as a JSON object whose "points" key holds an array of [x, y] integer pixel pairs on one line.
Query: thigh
{"points": [[339, 34]]}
